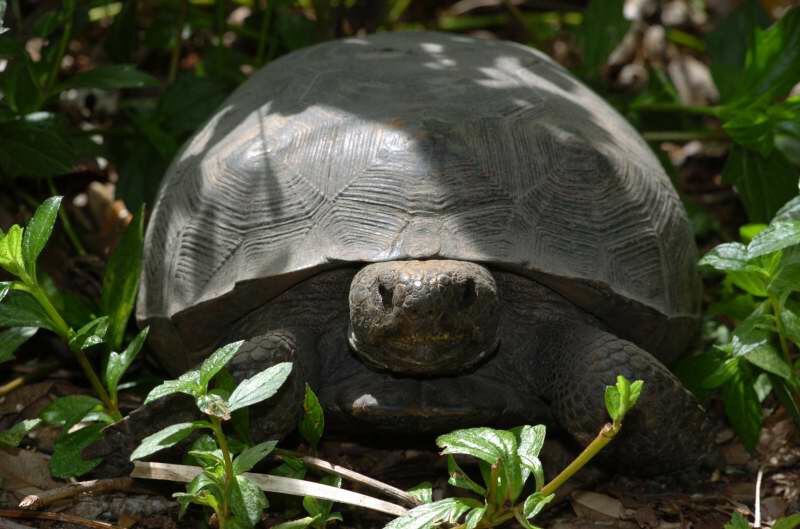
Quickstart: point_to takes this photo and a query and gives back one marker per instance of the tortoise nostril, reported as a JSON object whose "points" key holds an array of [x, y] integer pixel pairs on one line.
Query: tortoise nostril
{"points": [[386, 296], [469, 295]]}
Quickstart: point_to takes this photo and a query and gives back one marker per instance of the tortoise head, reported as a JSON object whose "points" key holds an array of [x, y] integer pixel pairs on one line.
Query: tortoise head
{"points": [[423, 317]]}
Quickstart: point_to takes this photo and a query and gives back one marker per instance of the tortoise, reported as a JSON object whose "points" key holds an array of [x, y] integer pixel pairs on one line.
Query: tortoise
{"points": [[439, 232]]}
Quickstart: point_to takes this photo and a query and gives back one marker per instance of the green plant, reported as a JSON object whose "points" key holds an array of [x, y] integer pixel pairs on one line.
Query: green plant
{"points": [[762, 278], [29, 303], [738, 521], [236, 500], [507, 458]]}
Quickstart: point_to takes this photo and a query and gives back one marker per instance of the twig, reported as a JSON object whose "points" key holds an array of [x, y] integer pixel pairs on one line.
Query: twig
{"points": [[58, 517], [757, 514], [48, 497], [37, 374], [346, 473], [278, 484]]}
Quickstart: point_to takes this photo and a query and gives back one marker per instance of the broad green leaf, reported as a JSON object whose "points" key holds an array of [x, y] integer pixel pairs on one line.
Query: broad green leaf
{"points": [[118, 363], [34, 150], [260, 386], [121, 280], [752, 341], [169, 436], [218, 359], [188, 102], [762, 196], [636, 392], [724, 372], [68, 411], [535, 503], [188, 383], [14, 435], [193, 489], [613, 402], [291, 467], [313, 423], [748, 231], [777, 236], [727, 45], [791, 324], [38, 231], [110, 78], [602, 30], [20, 309], [12, 339], [449, 510], [91, 334], [772, 65], [742, 406], [248, 501], [300, 523], [786, 278], [11, 259], [789, 522], [215, 405], [251, 455], [531, 441], [486, 444], [474, 517], [751, 128], [460, 479], [423, 492], [727, 256], [67, 461], [211, 460], [737, 522]]}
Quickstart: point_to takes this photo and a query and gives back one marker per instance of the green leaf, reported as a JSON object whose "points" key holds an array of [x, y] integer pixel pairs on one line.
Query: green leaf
{"points": [[636, 392], [777, 236], [214, 405], [14, 435], [211, 460], [111, 77], [121, 280], [12, 339], [68, 411], [535, 503], [291, 467], [188, 383], [460, 479], [613, 403], [118, 363], [531, 441], [753, 342], [5, 286], [772, 65], [789, 522], [67, 461], [423, 492], [11, 259], [791, 324], [486, 444], [787, 276], [727, 256], [38, 231], [3, 29], [34, 150], [169, 436], [200, 483], [474, 517], [737, 522], [313, 423], [748, 231], [727, 45], [218, 359], [251, 455], [260, 386], [429, 515], [764, 184], [20, 309], [722, 374], [742, 406], [247, 501], [91, 334], [602, 29]]}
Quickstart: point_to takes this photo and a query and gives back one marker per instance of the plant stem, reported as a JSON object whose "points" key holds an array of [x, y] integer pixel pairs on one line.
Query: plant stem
{"points": [[493, 486], [222, 441], [176, 50], [266, 25], [676, 107], [776, 309], [605, 436], [69, 8], [65, 222]]}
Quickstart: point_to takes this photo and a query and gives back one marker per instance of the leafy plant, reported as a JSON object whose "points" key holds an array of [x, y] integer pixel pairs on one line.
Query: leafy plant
{"points": [[759, 358], [236, 500], [26, 305], [507, 459], [738, 521]]}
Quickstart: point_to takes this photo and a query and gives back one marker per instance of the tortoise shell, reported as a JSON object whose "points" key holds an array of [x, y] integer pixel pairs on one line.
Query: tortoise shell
{"points": [[416, 146]]}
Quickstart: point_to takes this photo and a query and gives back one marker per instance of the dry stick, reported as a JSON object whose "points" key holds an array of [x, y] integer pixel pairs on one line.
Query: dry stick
{"points": [[48, 497], [757, 523], [268, 483], [346, 473], [58, 517]]}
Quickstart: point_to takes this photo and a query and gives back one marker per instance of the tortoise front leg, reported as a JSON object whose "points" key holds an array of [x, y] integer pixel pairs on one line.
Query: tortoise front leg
{"points": [[666, 431]]}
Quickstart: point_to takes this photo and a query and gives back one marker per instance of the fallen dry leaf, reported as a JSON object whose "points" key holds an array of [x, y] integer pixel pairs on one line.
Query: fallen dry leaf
{"points": [[24, 472], [596, 506]]}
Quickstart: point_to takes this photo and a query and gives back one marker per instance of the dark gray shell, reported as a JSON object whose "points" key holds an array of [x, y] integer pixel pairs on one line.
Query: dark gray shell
{"points": [[417, 145]]}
